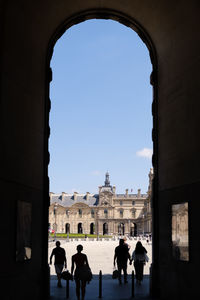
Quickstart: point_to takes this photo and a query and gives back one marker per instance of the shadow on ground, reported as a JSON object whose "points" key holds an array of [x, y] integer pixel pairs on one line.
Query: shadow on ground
{"points": [[110, 289]]}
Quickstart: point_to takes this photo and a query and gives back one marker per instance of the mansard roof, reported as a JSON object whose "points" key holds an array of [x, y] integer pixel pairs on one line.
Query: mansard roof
{"points": [[68, 200], [91, 200]]}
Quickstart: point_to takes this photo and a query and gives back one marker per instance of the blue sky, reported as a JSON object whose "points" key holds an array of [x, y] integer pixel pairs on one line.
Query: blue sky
{"points": [[100, 115]]}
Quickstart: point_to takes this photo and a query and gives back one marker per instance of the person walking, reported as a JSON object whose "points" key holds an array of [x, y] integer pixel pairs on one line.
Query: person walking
{"points": [[59, 261], [139, 256], [81, 272], [122, 255]]}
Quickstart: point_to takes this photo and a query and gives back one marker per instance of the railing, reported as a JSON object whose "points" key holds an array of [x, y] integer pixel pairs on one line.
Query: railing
{"points": [[100, 284], [132, 285]]}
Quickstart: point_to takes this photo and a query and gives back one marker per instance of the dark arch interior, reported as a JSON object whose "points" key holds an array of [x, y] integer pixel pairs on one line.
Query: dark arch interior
{"points": [[29, 32]]}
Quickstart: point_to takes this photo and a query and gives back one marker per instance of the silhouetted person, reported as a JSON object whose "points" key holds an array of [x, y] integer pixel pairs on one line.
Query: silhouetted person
{"points": [[122, 255], [59, 261], [81, 261], [139, 256]]}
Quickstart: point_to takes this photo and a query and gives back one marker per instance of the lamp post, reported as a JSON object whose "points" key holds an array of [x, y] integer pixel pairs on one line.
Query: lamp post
{"points": [[55, 213], [97, 216], [143, 224], [129, 228], [68, 212]]}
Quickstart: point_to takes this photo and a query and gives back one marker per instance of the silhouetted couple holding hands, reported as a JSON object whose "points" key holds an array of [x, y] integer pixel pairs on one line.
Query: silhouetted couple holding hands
{"points": [[122, 255]]}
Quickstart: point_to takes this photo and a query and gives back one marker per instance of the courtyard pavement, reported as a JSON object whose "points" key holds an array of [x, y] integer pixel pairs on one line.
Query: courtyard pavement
{"points": [[100, 256]]}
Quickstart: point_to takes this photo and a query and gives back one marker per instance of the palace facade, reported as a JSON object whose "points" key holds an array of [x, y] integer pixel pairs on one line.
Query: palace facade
{"points": [[104, 213]]}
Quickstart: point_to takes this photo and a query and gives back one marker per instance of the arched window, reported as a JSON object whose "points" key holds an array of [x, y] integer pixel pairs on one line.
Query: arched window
{"points": [[80, 213], [121, 213]]}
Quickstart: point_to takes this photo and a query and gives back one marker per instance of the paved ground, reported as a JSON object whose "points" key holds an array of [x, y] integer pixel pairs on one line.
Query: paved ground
{"points": [[110, 290], [100, 256]]}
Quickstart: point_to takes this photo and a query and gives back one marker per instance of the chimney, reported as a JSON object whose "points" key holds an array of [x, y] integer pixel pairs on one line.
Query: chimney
{"points": [[126, 192], [50, 196], [75, 196], [100, 189], [139, 193], [63, 194], [87, 196], [114, 189]]}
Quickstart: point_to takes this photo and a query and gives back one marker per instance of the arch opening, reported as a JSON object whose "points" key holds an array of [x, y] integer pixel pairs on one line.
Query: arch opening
{"points": [[80, 228], [67, 228], [92, 228], [121, 226], [105, 228]]}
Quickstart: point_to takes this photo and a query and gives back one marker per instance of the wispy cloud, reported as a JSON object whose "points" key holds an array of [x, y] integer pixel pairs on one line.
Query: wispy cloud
{"points": [[96, 173], [145, 152]]}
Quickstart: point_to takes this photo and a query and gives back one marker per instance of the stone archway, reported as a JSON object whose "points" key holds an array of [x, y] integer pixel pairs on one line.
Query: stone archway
{"points": [[67, 228], [121, 231], [92, 226], [133, 229], [105, 228], [80, 228], [174, 28]]}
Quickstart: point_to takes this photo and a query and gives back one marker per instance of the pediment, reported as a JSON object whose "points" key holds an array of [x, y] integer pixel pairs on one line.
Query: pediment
{"points": [[80, 205]]}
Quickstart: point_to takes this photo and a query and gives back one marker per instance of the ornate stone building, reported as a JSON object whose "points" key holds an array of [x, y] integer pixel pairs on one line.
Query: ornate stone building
{"points": [[104, 213]]}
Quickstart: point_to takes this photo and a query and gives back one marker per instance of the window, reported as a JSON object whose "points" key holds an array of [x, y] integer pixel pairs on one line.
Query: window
{"points": [[133, 202], [121, 213], [121, 202], [80, 212], [67, 212], [105, 213], [92, 213], [133, 213]]}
